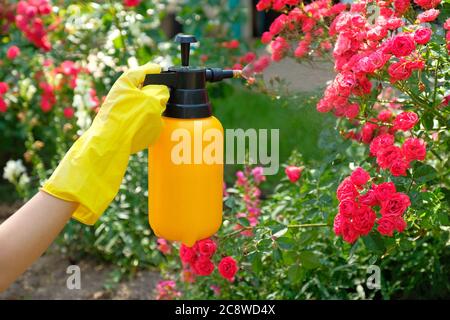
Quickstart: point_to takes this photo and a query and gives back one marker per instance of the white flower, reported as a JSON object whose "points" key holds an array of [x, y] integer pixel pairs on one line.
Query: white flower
{"points": [[165, 62], [13, 169], [24, 179]]}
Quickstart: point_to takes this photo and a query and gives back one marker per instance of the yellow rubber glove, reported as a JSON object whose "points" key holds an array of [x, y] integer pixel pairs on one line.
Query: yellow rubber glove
{"points": [[128, 121]]}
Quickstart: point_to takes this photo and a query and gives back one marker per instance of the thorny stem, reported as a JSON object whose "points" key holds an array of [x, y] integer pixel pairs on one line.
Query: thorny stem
{"points": [[308, 225]]}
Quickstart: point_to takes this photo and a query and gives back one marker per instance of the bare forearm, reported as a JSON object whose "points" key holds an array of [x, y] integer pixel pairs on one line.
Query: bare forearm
{"points": [[28, 233]]}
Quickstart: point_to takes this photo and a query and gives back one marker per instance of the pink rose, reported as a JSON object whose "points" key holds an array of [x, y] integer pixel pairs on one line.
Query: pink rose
{"points": [[293, 173], [399, 71], [4, 87], [428, 16], [401, 45], [422, 35], [266, 37], [406, 121], [69, 112], [131, 3], [12, 52], [352, 111]]}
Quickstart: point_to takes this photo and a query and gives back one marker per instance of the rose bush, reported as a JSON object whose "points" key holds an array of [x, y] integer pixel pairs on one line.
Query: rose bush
{"points": [[380, 196], [391, 96]]}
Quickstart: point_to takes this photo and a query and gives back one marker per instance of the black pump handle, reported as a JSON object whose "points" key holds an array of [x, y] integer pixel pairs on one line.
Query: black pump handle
{"points": [[185, 41]]}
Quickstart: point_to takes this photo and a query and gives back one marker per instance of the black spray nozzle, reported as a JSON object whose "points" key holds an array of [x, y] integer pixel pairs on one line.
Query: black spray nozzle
{"points": [[217, 74]]}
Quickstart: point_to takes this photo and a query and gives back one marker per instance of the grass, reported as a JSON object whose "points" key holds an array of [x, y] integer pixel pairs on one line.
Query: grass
{"points": [[297, 119]]}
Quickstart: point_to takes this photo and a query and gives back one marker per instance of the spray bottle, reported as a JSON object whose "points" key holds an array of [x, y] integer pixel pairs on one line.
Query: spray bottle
{"points": [[185, 166]]}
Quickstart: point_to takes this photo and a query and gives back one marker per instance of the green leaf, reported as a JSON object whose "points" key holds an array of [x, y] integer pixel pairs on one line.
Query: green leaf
{"points": [[374, 242], [427, 121], [285, 243], [309, 260], [277, 255], [295, 274], [256, 262], [280, 233], [424, 173], [243, 222]]}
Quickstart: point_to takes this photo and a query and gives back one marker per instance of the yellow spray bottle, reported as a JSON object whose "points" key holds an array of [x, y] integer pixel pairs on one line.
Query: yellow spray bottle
{"points": [[185, 166]]}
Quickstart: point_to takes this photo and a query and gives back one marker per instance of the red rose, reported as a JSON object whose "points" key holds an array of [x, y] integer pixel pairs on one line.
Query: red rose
{"points": [[427, 4], [384, 190], [203, 266], [386, 156], [399, 71], [3, 105], [337, 225], [385, 115], [68, 112], [401, 6], [187, 254], [349, 233], [360, 176], [228, 268], [3, 88], [401, 45], [422, 35], [406, 121], [347, 207], [263, 5], [131, 3], [206, 247], [367, 132], [381, 142], [414, 149], [12, 52], [364, 219], [369, 198], [395, 204], [399, 167], [352, 111], [293, 173], [346, 190], [266, 37], [387, 225]]}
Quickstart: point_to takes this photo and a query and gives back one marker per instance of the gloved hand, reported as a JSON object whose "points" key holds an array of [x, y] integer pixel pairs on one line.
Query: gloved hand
{"points": [[128, 121]]}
